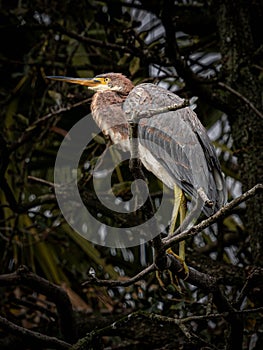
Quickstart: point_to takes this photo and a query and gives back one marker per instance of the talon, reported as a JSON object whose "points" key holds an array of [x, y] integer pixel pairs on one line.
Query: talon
{"points": [[160, 281], [184, 270], [173, 281]]}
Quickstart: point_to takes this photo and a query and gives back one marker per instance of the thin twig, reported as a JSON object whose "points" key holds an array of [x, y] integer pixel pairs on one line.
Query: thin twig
{"points": [[83, 39], [31, 337], [243, 98], [44, 199], [193, 338], [41, 181], [244, 291], [117, 283], [42, 121], [219, 315]]}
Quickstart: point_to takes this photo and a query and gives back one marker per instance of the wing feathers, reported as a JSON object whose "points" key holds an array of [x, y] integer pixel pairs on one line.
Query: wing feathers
{"points": [[179, 142]]}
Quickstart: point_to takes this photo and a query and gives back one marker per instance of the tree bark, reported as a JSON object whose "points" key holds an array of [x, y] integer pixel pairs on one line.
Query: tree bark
{"points": [[238, 48]]}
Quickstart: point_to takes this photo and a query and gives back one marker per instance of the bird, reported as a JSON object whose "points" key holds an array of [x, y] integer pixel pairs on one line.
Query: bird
{"points": [[172, 144]]}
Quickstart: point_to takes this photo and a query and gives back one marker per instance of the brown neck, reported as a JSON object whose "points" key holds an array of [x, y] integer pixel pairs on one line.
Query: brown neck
{"points": [[106, 108], [106, 98]]}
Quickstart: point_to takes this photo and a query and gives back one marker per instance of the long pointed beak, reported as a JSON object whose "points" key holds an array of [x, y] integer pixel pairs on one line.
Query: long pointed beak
{"points": [[90, 82]]}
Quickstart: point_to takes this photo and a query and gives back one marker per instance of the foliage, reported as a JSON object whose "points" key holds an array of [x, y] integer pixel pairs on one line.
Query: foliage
{"points": [[179, 46]]}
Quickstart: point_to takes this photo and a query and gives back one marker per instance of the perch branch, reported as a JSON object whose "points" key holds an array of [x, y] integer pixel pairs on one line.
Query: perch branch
{"points": [[195, 277], [168, 242]]}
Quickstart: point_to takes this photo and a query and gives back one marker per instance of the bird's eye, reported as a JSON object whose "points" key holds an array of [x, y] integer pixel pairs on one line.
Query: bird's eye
{"points": [[107, 80]]}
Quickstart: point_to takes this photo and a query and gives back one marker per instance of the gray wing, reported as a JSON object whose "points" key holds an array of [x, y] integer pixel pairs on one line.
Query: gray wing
{"points": [[178, 142]]}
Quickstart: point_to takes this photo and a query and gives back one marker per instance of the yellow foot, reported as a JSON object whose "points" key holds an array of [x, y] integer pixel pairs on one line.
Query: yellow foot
{"points": [[184, 272], [166, 277]]}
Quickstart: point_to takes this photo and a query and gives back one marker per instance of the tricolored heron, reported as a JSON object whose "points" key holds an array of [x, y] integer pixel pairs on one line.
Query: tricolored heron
{"points": [[174, 145]]}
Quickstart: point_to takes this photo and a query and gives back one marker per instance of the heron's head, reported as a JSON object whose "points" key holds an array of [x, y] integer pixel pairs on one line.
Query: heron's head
{"points": [[103, 82]]}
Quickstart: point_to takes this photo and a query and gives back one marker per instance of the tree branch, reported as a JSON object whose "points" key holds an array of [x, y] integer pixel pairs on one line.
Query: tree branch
{"points": [[195, 277], [53, 292], [93, 280], [202, 280], [168, 242], [27, 135], [33, 338]]}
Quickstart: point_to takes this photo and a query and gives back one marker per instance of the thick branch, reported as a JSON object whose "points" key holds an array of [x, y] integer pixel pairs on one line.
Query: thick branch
{"points": [[137, 318]]}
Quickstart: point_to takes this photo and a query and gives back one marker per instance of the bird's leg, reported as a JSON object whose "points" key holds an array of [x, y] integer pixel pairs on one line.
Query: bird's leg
{"points": [[178, 194], [115, 155], [182, 218], [179, 208], [183, 208]]}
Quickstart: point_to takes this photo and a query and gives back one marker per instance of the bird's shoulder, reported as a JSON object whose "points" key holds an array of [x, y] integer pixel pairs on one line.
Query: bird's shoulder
{"points": [[147, 95]]}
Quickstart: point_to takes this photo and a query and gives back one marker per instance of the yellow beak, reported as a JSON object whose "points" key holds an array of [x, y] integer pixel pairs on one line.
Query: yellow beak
{"points": [[89, 82]]}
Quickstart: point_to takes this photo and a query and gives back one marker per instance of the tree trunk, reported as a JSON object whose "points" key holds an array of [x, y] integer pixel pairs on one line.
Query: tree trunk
{"points": [[238, 47]]}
